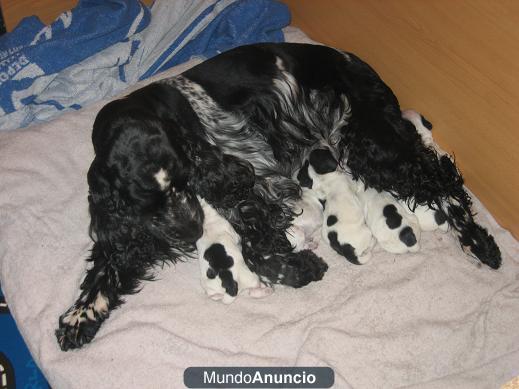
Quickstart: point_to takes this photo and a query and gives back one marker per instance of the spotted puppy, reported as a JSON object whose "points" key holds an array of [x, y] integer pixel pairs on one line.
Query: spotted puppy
{"points": [[344, 228], [223, 271], [396, 230], [429, 219]]}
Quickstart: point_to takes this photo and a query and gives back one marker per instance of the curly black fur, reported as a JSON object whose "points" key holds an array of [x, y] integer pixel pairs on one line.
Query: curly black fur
{"points": [[237, 139]]}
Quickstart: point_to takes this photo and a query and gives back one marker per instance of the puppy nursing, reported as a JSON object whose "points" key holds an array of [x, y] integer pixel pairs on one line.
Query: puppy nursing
{"points": [[233, 139], [355, 217], [344, 228], [396, 230], [223, 271]]}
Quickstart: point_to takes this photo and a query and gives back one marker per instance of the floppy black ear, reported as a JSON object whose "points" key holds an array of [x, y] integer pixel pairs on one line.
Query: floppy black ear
{"points": [[103, 201], [223, 180]]}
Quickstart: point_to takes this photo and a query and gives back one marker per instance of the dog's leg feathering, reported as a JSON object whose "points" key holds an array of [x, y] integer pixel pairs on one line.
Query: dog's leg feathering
{"points": [[100, 293], [267, 250]]}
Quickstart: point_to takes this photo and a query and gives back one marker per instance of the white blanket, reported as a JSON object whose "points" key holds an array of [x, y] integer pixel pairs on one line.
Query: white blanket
{"points": [[426, 320]]}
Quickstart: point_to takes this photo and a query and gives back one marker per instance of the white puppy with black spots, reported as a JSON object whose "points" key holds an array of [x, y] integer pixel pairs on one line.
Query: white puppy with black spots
{"points": [[396, 230], [223, 271], [344, 227]]}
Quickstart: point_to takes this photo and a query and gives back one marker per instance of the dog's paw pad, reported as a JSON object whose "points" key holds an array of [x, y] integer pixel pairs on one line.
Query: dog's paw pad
{"points": [[77, 327]]}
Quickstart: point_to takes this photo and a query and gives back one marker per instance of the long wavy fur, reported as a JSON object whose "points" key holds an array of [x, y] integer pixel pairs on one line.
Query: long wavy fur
{"points": [[237, 139]]}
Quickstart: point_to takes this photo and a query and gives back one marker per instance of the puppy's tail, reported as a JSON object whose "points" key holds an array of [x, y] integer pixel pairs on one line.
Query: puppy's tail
{"points": [[474, 239]]}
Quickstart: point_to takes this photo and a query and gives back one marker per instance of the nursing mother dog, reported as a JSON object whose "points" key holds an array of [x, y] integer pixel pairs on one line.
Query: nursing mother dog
{"points": [[234, 131]]}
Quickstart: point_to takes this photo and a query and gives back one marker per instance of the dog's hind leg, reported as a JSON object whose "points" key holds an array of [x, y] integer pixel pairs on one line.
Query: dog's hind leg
{"points": [[385, 151], [456, 206], [474, 239]]}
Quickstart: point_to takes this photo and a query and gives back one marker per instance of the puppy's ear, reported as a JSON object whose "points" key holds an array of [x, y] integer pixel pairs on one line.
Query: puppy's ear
{"points": [[323, 161]]}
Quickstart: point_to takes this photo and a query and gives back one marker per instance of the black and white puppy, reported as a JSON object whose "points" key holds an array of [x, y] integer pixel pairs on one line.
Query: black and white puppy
{"points": [[344, 227], [223, 272], [233, 130], [396, 230], [423, 127]]}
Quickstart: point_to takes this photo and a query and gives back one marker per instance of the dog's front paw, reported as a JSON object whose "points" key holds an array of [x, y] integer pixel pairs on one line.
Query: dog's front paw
{"points": [[77, 327]]}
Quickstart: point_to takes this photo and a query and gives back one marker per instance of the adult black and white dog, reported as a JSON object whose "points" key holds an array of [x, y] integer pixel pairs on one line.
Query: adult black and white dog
{"points": [[234, 130]]}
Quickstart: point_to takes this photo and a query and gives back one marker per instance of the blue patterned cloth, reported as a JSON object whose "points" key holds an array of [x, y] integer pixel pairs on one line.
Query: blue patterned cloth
{"points": [[34, 50], [17, 368], [103, 46]]}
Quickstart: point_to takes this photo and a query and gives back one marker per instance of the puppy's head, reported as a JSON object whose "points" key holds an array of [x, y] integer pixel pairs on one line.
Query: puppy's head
{"points": [[320, 161]]}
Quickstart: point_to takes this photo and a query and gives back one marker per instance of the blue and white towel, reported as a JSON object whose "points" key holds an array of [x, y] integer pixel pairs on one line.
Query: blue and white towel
{"points": [[103, 46], [33, 54]]}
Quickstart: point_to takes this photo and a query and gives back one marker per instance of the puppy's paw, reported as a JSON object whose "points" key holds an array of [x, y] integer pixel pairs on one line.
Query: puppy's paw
{"points": [[220, 286], [239, 281]]}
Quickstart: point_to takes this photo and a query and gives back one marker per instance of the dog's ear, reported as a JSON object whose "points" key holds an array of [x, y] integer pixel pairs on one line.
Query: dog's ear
{"points": [[103, 199], [100, 189], [223, 180]]}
